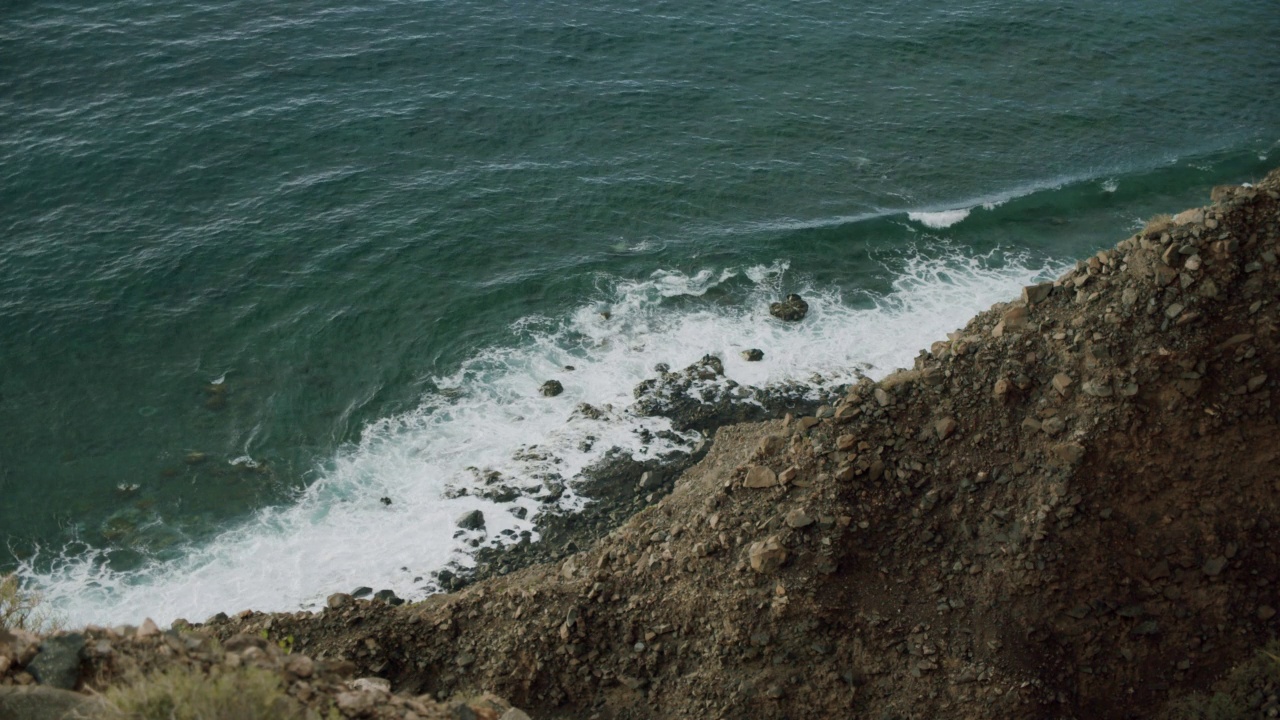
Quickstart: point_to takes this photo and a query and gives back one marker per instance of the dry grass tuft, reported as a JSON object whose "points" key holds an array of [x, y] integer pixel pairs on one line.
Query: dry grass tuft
{"points": [[1157, 225], [182, 693], [20, 608]]}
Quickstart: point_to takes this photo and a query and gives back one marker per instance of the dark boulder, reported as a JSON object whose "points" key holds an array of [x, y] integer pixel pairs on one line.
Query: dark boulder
{"points": [[58, 663], [473, 520], [792, 309], [551, 388]]}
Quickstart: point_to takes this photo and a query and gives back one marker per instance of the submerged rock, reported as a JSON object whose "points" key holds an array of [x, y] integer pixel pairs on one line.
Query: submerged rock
{"points": [[700, 397], [792, 309]]}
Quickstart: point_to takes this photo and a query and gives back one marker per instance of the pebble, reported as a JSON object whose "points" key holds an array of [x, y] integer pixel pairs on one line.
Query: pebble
{"points": [[1061, 382], [945, 427]]}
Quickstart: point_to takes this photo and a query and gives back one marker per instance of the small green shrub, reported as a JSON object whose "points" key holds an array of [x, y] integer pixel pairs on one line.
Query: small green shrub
{"points": [[1235, 695], [185, 694]]}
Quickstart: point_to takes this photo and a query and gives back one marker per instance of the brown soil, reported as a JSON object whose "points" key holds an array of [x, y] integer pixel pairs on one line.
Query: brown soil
{"points": [[1066, 510]]}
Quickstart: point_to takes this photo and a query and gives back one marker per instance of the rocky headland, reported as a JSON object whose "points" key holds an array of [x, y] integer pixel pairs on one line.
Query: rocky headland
{"points": [[1066, 509]]}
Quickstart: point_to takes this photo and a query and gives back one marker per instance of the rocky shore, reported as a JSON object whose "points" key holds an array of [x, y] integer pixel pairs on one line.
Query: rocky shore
{"points": [[1066, 509]]}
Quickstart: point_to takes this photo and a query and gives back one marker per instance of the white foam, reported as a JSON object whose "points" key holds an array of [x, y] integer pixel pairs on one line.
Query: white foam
{"points": [[1110, 185], [941, 218], [489, 417]]}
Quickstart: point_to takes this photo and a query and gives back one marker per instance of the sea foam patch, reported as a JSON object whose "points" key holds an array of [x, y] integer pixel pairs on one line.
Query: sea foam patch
{"points": [[941, 218], [488, 425]]}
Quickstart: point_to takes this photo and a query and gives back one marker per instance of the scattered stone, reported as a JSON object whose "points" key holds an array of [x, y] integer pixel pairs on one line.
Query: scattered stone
{"points": [[300, 666], [371, 684], [389, 597], [1256, 382], [1070, 454], [798, 519], [356, 703], [148, 628], [759, 476], [363, 591], [1061, 382], [772, 445], [551, 388], [1036, 294], [753, 355], [473, 520], [882, 397], [1214, 566], [1053, 425], [1094, 388], [945, 427], [1189, 217], [792, 309], [767, 556], [338, 600], [1266, 612]]}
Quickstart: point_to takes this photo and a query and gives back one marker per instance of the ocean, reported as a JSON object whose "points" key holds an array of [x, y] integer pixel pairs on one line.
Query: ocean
{"points": [[263, 265]]}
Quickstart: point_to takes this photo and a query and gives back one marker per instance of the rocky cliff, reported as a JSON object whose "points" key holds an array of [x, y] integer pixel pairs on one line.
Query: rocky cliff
{"points": [[1067, 509]]}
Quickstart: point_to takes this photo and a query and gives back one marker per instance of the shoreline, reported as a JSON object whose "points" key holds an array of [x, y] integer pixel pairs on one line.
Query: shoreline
{"points": [[1064, 509]]}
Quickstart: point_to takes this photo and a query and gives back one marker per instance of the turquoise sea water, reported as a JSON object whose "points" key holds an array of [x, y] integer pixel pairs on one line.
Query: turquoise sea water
{"points": [[264, 263]]}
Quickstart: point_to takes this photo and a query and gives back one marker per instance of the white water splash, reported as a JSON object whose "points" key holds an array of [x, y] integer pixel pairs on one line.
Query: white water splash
{"points": [[489, 417], [941, 218]]}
